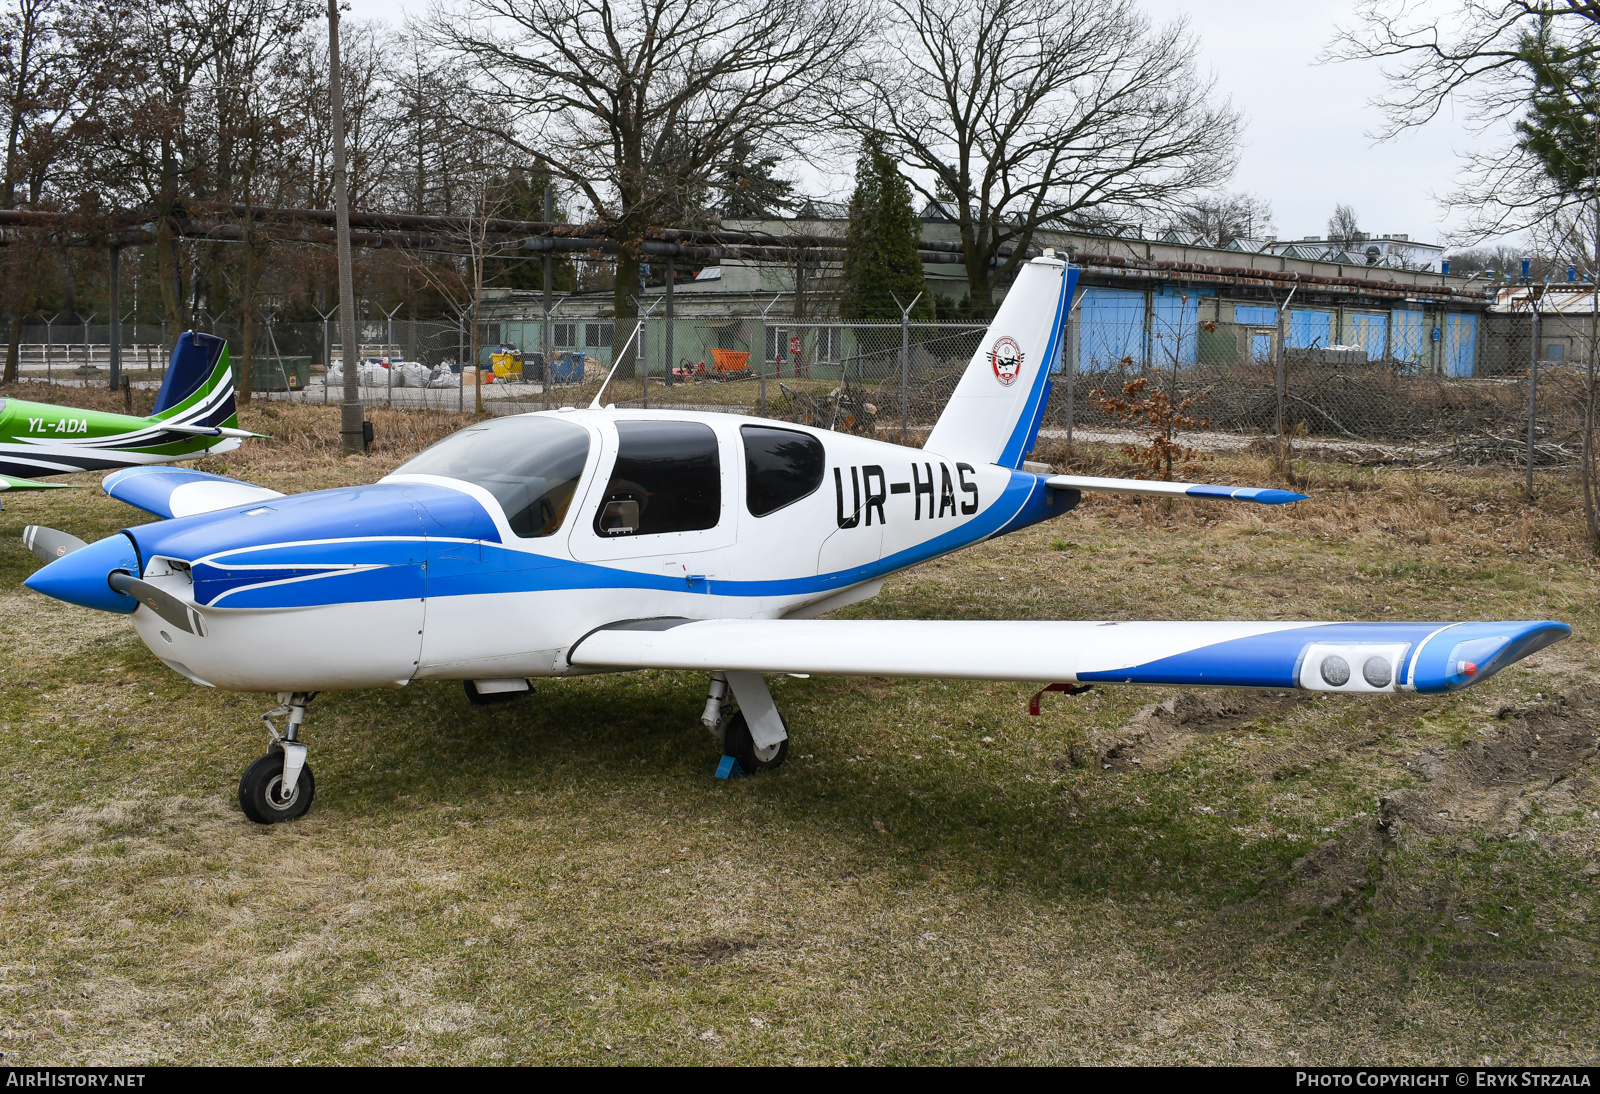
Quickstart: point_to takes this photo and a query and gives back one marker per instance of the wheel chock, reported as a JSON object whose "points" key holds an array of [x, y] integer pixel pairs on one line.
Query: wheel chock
{"points": [[729, 768]]}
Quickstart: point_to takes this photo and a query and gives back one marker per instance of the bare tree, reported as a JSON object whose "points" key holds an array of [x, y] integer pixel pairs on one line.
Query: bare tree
{"points": [[1221, 219], [1044, 112], [1344, 228], [42, 75], [461, 269], [633, 102]]}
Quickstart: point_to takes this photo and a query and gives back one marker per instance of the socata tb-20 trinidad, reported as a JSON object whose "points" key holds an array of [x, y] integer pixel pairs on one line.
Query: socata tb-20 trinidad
{"points": [[604, 540], [194, 416]]}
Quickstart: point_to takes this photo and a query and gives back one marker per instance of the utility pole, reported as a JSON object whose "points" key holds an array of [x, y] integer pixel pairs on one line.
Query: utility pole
{"points": [[352, 427], [549, 273]]}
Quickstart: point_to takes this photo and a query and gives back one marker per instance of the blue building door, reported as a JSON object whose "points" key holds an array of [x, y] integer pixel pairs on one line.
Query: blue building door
{"points": [[1460, 344], [1370, 332], [1261, 346], [1309, 329], [1410, 339], [1110, 329]]}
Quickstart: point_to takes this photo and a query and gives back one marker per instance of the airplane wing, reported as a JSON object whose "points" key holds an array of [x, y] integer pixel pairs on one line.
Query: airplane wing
{"points": [[1343, 657], [1262, 495], [180, 492]]}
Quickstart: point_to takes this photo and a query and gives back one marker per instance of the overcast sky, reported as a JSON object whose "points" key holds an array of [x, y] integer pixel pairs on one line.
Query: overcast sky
{"points": [[1306, 146]]}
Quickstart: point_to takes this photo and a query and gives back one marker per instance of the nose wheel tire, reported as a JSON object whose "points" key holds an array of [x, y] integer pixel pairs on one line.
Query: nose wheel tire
{"points": [[738, 743], [261, 790]]}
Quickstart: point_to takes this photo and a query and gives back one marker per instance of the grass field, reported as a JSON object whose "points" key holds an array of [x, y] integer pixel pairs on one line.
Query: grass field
{"points": [[1138, 875]]}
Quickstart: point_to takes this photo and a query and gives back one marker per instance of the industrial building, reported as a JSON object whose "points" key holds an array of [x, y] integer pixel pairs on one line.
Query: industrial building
{"points": [[1142, 300]]}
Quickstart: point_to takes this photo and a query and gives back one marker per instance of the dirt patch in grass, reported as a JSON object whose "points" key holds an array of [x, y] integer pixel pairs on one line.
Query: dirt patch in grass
{"points": [[1533, 758], [1162, 730]]}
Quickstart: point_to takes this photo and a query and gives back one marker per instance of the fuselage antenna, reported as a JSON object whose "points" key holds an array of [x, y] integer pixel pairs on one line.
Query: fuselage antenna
{"points": [[616, 359]]}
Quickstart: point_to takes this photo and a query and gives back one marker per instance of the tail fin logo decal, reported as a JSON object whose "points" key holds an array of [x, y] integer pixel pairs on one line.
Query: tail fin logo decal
{"points": [[1006, 357]]}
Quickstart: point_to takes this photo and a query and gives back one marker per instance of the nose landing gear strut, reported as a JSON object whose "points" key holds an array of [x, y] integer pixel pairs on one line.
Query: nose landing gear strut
{"points": [[279, 786]]}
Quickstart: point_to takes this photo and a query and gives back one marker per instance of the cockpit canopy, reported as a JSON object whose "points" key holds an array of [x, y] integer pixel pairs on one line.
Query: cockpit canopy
{"points": [[530, 464]]}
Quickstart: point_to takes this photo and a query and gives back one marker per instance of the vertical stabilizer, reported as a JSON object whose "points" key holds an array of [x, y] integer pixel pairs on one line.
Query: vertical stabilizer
{"points": [[198, 388], [994, 415]]}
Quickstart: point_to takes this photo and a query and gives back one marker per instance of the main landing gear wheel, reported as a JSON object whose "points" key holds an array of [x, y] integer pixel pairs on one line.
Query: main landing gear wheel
{"points": [[737, 742], [261, 790]]}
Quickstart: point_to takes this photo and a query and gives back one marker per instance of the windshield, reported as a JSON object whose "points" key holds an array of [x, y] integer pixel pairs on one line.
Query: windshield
{"points": [[530, 464]]}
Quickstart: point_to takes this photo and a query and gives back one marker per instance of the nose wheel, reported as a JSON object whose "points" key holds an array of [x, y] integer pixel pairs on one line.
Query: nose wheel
{"points": [[261, 791], [279, 786]]}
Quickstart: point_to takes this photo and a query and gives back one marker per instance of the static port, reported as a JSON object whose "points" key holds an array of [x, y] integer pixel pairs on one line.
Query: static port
{"points": [[1335, 671], [1377, 672]]}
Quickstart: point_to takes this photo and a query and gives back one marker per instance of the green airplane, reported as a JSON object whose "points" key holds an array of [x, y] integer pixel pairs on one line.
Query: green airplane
{"points": [[194, 416]]}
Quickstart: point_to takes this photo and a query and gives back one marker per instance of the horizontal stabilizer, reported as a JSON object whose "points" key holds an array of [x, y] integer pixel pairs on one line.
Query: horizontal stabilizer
{"points": [[180, 492], [211, 431], [11, 482], [1344, 657], [1261, 494]]}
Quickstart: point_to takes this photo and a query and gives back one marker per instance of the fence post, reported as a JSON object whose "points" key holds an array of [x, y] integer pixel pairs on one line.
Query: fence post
{"points": [[672, 361], [905, 372], [1072, 371], [1533, 378], [761, 350], [905, 362], [114, 335]]}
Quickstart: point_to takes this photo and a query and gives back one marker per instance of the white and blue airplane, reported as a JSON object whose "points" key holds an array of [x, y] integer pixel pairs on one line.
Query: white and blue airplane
{"points": [[604, 540]]}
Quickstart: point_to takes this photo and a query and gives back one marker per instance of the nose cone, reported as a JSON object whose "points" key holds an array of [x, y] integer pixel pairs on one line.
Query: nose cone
{"points": [[83, 576]]}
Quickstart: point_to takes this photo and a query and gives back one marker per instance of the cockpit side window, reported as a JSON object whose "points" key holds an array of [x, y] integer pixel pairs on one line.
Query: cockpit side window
{"points": [[531, 465], [781, 466], [667, 478]]}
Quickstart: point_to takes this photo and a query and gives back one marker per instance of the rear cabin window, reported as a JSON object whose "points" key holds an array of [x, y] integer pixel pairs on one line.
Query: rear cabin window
{"points": [[781, 466], [530, 464], [667, 478]]}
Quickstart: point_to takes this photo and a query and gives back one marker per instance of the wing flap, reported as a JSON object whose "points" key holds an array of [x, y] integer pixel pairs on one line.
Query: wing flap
{"points": [[179, 492], [1418, 656], [1260, 494]]}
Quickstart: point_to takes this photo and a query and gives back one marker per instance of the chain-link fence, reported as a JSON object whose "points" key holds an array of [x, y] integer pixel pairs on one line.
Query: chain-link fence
{"points": [[1398, 392]]}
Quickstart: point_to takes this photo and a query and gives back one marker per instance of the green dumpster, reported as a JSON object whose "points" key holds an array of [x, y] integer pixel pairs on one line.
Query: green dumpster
{"points": [[280, 373]]}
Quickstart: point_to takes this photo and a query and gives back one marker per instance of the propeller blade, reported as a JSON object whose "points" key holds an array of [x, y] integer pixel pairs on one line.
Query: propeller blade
{"points": [[164, 604], [48, 543]]}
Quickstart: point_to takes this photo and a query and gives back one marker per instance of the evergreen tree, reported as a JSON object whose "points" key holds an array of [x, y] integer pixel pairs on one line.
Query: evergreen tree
{"points": [[750, 190], [880, 247], [1559, 128], [524, 200]]}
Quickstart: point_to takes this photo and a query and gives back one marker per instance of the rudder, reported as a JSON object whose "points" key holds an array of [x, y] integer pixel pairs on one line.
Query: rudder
{"points": [[198, 387]]}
